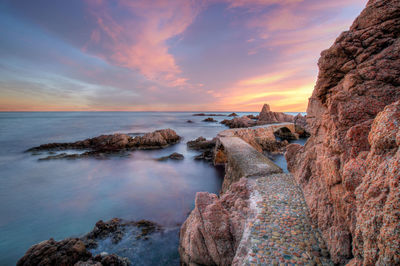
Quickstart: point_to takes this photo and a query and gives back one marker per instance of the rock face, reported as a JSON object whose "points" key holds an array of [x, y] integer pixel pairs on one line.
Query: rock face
{"points": [[205, 146], [212, 232], [70, 251], [112, 143], [267, 117], [75, 251], [349, 168], [239, 122]]}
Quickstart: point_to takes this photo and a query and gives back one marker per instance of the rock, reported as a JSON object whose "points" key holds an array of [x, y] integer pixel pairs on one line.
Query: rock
{"points": [[232, 115], [203, 114], [106, 144], [189, 121], [285, 134], [70, 251], [115, 229], [301, 126], [209, 119], [173, 156], [261, 138], [239, 122], [203, 145], [268, 117], [349, 167], [255, 117], [51, 252], [213, 230]]}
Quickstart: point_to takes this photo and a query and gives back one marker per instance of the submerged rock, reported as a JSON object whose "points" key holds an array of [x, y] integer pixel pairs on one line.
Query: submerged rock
{"points": [[111, 144], [266, 116], [349, 167], [203, 145], [209, 119], [173, 156], [203, 114]]}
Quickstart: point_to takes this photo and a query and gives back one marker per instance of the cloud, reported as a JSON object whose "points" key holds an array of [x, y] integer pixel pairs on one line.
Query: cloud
{"points": [[138, 39]]}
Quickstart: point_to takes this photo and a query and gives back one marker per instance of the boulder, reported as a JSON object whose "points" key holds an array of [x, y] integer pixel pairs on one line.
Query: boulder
{"points": [[349, 167], [239, 122], [210, 119], [70, 251], [172, 156], [203, 145], [266, 116], [212, 232], [232, 115]]}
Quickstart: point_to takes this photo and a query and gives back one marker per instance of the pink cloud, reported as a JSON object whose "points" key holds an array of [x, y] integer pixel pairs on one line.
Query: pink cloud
{"points": [[139, 40]]}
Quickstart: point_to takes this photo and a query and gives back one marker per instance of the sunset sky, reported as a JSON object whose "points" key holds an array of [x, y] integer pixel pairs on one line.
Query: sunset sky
{"points": [[176, 55]]}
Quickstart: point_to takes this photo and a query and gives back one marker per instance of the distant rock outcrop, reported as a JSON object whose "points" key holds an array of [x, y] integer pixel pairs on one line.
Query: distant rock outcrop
{"points": [[111, 144], [266, 116], [239, 122], [349, 168]]}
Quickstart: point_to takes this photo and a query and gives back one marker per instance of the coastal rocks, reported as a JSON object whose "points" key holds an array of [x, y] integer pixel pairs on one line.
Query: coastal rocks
{"points": [[212, 232], [111, 144], [266, 116], [75, 251], [209, 119], [205, 146], [70, 251], [349, 167], [285, 134], [301, 126], [203, 114], [239, 122], [172, 156], [261, 138], [115, 230], [232, 115]]}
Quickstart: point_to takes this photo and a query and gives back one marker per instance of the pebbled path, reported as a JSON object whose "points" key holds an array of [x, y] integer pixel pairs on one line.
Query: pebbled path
{"points": [[281, 232]]}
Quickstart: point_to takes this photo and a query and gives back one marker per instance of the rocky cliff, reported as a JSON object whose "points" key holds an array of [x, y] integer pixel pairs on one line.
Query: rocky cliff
{"points": [[349, 168]]}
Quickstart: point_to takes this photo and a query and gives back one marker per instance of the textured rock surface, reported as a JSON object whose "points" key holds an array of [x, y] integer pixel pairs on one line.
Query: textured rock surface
{"points": [[112, 143], [239, 122], [212, 232], [266, 116], [348, 171], [70, 251], [262, 138]]}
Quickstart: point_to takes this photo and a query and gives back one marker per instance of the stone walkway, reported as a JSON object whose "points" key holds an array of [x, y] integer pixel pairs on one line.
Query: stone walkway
{"points": [[281, 232]]}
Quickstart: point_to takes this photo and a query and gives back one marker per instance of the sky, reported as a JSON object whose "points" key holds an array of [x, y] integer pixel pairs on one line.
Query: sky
{"points": [[165, 55]]}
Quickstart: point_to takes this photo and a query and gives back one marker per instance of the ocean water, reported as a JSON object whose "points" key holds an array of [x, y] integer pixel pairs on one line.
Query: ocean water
{"points": [[63, 198]]}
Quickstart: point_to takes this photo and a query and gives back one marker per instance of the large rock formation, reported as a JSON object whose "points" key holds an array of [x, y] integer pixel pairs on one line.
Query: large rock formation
{"points": [[267, 116], [349, 168], [212, 232]]}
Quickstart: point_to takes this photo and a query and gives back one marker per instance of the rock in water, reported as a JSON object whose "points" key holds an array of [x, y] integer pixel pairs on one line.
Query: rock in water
{"points": [[239, 122], [349, 168], [267, 116]]}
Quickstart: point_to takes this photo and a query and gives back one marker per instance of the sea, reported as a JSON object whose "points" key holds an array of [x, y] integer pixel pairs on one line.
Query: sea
{"points": [[64, 198]]}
